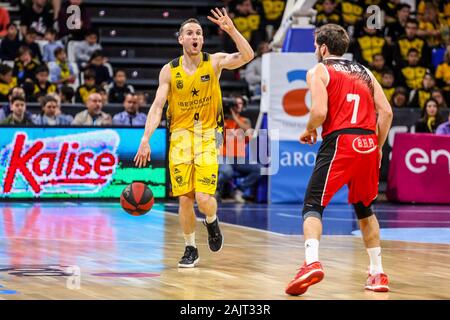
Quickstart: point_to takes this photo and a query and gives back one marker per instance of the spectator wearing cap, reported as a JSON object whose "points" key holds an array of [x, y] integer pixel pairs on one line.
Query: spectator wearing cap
{"points": [[25, 66], [61, 72], [131, 115], [7, 81], [30, 42], [49, 115], [93, 115], [85, 49], [119, 87], [87, 88], [96, 63], [10, 43], [43, 87], [51, 46], [18, 115]]}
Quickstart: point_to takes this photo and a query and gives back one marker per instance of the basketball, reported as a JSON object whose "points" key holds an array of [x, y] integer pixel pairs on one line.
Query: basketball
{"points": [[137, 199]]}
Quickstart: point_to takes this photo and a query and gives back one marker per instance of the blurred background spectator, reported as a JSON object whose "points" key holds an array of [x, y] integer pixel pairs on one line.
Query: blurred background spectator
{"points": [[85, 48], [119, 87], [18, 115], [93, 115], [51, 45], [237, 134], [430, 119], [253, 70], [10, 43], [131, 115], [49, 115]]}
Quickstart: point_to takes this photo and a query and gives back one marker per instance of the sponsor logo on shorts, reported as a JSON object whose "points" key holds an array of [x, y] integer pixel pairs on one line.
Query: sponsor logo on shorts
{"points": [[205, 181], [176, 171], [364, 145], [205, 78], [179, 179]]}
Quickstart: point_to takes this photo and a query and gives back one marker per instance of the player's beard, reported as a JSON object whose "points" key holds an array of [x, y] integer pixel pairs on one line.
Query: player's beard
{"points": [[319, 56]]}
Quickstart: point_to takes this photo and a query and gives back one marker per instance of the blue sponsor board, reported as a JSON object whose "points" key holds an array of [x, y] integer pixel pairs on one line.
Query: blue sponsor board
{"points": [[295, 166]]}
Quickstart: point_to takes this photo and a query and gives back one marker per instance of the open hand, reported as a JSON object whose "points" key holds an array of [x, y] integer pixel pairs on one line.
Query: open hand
{"points": [[222, 19], [142, 155]]}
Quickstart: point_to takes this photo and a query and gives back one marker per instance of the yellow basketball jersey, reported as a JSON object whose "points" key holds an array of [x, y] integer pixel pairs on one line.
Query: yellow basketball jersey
{"points": [[195, 101]]}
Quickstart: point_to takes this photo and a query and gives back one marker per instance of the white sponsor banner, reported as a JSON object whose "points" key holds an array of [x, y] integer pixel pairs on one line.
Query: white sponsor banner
{"points": [[285, 96]]}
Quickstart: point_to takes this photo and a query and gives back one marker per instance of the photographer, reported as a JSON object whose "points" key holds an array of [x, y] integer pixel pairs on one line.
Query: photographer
{"points": [[237, 134]]}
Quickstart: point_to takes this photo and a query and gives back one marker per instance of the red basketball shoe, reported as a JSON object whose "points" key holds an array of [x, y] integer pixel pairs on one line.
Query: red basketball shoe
{"points": [[307, 275], [377, 282]]}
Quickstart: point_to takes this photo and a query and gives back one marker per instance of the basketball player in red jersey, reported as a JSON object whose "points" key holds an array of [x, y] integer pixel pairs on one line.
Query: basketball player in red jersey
{"points": [[346, 100]]}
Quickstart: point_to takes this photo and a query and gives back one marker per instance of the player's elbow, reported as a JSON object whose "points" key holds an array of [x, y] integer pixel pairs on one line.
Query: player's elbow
{"points": [[318, 113]]}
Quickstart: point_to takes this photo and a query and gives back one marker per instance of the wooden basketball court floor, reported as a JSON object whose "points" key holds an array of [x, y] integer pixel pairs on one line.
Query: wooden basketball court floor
{"points": [[93, 250]]}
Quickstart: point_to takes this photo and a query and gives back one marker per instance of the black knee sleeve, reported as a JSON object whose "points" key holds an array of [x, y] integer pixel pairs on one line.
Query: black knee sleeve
{"points": [[362, 211], [312, 211]]}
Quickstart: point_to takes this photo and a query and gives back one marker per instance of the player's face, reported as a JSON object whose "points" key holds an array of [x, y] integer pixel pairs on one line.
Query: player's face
{"points": [[191, 38]]}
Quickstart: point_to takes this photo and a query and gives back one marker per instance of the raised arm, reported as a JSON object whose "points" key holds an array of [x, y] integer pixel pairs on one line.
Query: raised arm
{"points": [[230, 60], [154, 117], [317, 82]]}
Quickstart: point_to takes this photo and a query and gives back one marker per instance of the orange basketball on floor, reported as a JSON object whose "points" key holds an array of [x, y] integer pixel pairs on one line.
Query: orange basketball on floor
{"points": [[137, 199]]}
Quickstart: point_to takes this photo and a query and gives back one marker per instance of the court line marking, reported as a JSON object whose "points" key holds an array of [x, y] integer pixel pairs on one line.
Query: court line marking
{"points": [[380, 220], [235, 225]]}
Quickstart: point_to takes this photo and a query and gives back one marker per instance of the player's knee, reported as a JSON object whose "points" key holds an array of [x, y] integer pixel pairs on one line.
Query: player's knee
{"points": [[313, 211], [186, 201], [202, 201], [362, 212]]}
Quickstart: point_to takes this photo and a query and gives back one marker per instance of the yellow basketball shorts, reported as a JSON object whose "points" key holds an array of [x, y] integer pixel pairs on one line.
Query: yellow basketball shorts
{"points": [[193, 163]]}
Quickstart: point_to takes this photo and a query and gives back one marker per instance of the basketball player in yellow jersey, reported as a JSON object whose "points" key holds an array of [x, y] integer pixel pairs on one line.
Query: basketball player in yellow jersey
{"points": [[190, 84]]}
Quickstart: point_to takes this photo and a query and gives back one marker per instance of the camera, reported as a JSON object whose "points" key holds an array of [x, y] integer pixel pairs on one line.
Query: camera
{"points": [[227, 105]]}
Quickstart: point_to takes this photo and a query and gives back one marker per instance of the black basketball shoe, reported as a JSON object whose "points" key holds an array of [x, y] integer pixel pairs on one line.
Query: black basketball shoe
{"points": [[190, 258], [215, 238]]}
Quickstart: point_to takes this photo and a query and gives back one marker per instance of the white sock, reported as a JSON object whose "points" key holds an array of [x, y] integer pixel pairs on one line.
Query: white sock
{"points": [[311, 250], [211, 219], [375, 260], [189, 239]]}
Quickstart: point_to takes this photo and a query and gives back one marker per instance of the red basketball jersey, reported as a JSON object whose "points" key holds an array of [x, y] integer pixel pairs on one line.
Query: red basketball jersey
{"points": [[350, 97]]}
